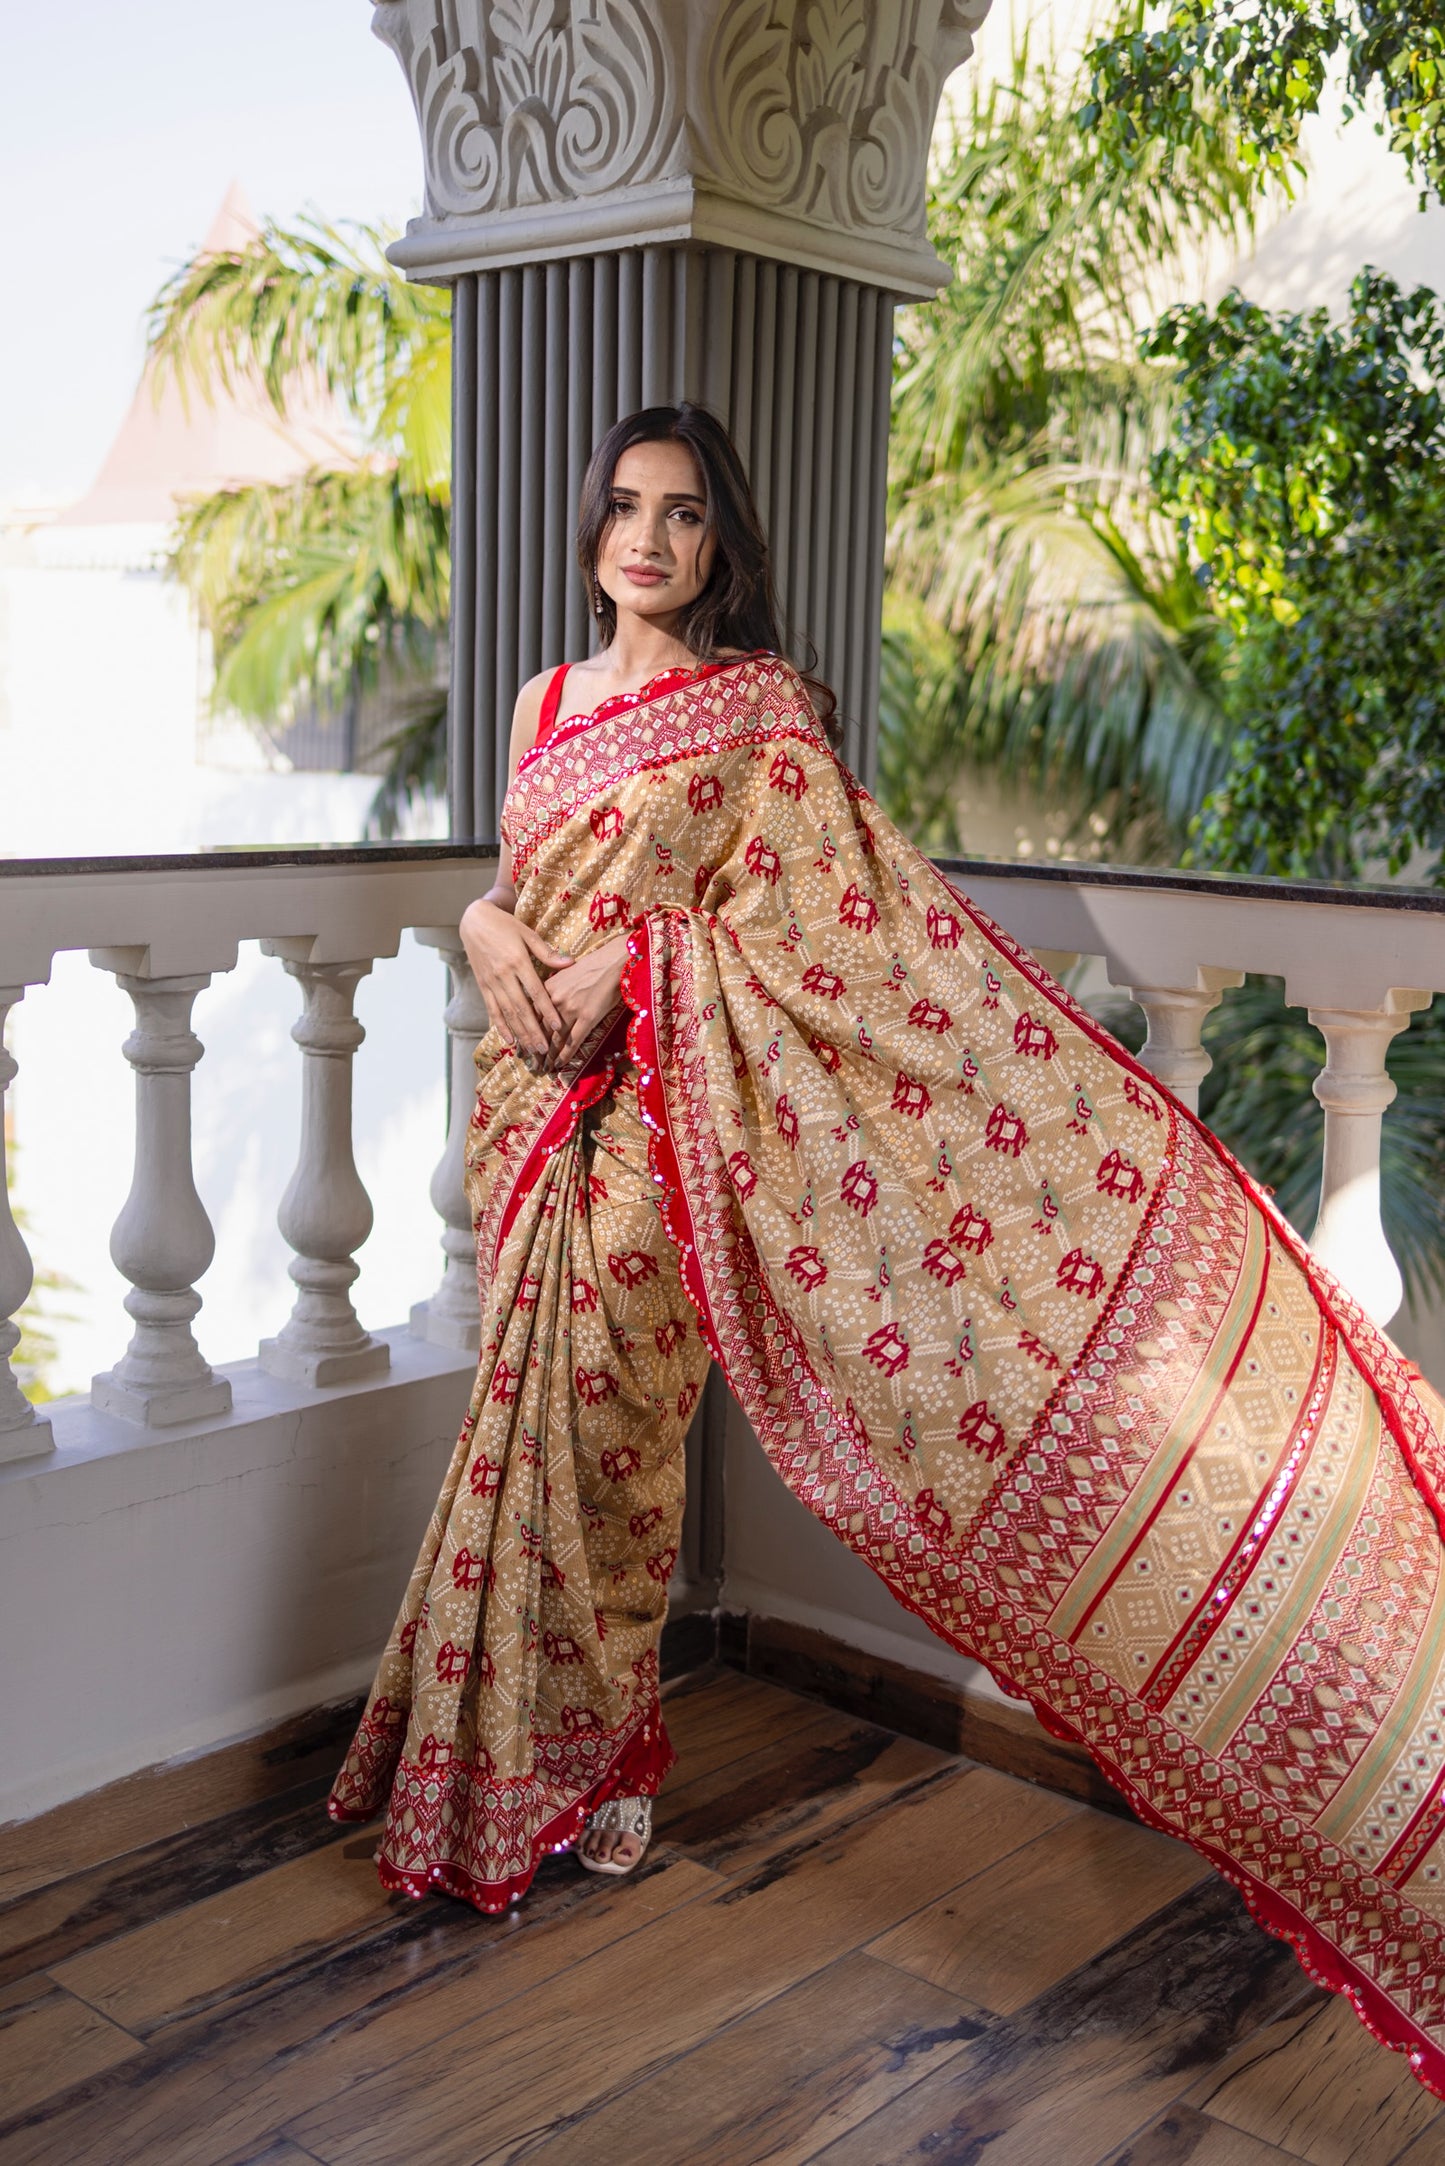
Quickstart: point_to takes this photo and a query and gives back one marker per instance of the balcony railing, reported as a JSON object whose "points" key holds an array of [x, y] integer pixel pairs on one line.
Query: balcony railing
{"points": [[1360, 961], [165, 927]]}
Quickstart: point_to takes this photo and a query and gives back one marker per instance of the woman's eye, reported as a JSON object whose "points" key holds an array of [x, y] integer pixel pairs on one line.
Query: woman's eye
{"points": [[688, 518], [620, 507]]}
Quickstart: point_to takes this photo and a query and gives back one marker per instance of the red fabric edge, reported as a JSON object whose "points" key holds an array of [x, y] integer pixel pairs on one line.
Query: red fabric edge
{"points": [[1321, 1960], [562, 733], [637, 992], [584, 1090], [637, 1771], [1327, 1294], [1326, 1964]]}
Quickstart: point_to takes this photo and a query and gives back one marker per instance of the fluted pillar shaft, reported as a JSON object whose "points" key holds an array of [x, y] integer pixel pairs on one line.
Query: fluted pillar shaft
{"points": [[452, 1316], [325, 1213], [163, 1240], [23, 1435], [798, 364], [641, 202]]}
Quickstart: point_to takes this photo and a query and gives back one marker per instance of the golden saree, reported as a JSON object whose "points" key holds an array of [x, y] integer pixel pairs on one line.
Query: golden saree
{"points": [[1002, 1313]]}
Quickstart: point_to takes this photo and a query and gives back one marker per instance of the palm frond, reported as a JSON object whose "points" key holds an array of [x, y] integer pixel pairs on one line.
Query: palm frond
{"points": [[310, 584], [1082, 660], [315, 304], [415, 769], [1058, 258]]}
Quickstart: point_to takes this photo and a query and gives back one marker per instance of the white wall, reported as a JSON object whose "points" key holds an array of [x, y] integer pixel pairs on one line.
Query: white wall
{"points": [[782, 1562], [164, 1593]]}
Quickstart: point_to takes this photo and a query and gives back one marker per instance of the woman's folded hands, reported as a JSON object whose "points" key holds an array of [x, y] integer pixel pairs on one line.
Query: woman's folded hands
{"points": [[548, 1020]]}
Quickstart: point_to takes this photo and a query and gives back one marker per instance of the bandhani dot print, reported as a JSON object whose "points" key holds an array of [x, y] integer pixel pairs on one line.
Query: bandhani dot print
{"points": [[1001, 1312]]}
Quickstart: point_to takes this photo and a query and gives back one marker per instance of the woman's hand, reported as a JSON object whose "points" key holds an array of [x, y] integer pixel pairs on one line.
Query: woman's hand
{"points": [[504, 955], [584, 993]]}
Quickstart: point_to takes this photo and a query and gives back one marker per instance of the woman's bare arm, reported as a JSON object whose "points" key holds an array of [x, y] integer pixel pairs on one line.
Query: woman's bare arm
{"points": [[502, 952]]}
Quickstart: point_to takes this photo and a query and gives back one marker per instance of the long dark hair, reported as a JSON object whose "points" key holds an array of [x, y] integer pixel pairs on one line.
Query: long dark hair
{"points": [[738, 607]]}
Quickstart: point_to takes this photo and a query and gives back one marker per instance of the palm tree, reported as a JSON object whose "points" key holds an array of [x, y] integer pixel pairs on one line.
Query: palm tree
{"points": [[337, 582], [1077, 654]]}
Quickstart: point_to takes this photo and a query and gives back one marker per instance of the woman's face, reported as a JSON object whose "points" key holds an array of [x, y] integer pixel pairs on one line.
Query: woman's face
{"points": [[656, 552]]}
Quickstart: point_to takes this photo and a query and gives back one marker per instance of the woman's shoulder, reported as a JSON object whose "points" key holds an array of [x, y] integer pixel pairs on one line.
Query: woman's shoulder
{"points": [[534, 691]]}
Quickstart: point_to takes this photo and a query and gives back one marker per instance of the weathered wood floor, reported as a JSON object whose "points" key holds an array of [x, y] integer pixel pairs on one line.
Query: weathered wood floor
{"points": [[846, 1948]]}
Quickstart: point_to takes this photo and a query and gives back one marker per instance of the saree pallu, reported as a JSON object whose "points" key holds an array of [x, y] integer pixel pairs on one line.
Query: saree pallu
{"points": [[1002, 1313]]}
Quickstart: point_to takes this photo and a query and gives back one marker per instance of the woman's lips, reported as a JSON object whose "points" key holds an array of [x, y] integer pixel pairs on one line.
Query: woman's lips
{"points": [[643, 578]]}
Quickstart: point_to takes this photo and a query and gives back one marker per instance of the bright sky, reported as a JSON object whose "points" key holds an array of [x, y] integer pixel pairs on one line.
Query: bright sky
{"points": [[121, 128]]}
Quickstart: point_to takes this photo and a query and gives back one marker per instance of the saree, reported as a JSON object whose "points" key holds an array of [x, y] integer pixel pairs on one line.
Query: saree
{"points": [[1001, 1312]]}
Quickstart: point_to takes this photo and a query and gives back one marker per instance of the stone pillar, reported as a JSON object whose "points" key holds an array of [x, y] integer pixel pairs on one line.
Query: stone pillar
{"points": [[637, 201], [325, 1213], [1175, 1014]]}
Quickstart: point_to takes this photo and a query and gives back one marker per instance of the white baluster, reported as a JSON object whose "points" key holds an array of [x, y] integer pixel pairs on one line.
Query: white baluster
{"points": [[162, 1241], [325, 1214], [1354, 1090], [23, 1435], [452, 1317], [1175, 1015]]}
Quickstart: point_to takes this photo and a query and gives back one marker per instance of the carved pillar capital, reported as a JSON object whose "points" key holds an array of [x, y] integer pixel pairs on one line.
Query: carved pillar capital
{"points": [[796, 129]]}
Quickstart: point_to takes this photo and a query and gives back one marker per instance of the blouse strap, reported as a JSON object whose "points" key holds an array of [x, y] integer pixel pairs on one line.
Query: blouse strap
{"points": [[551, 701]]}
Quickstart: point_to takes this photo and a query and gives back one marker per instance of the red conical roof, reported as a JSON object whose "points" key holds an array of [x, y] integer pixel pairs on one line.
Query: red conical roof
{"points": [[170, 448]]}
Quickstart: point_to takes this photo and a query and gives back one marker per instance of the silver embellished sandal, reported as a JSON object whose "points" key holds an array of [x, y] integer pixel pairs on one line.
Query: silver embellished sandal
{"points": [[619, 1816]]}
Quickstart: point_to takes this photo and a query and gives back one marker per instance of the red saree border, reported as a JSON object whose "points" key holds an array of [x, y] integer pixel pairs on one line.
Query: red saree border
{"points": [[668, 738], [637, 1768], [1176, 1473], [616, 703], [590, 1083], [775, 1384], [1362, 1339], [1237, 1569]]}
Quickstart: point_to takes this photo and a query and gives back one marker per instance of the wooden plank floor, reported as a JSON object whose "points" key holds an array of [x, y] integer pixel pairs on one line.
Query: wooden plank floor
{"points": [[846, 1948]]}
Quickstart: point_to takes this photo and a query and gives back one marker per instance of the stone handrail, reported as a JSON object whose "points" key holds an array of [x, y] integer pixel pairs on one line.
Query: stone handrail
{"points": [[1360, 960], [164, 926]]}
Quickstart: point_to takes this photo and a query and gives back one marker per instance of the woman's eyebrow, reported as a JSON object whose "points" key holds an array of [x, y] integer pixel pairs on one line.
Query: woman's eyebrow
{"points": [[676, 496]]}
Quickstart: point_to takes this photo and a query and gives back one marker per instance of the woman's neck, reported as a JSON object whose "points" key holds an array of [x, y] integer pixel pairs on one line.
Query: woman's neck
{"points": [[642, 647]]}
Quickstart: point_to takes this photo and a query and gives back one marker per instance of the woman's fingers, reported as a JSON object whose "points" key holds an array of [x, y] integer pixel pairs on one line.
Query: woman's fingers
{"points": [[542, 1005], [555, 958], [543, 1026]]}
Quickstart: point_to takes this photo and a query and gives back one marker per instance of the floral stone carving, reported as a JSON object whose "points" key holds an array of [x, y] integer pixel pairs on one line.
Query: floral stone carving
{"points": [[554, 126]]}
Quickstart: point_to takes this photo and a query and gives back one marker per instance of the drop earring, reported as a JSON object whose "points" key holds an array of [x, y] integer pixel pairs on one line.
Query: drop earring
{"points": [[596, 598]]}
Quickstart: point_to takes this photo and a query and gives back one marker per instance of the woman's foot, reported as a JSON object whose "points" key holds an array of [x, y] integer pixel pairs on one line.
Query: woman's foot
{"points": [[616, 1836]]}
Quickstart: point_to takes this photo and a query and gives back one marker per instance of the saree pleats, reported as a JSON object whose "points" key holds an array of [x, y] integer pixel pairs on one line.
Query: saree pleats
{"points": [[1002, 1313], [519, 1687]]}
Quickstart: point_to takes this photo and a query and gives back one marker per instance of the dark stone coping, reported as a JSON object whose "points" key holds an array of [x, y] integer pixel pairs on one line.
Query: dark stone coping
{"points": [[1353, 895], [243, 857]]}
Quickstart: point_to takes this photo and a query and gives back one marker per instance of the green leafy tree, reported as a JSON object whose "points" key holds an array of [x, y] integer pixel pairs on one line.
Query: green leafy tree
{"points": [[337, 582], [1306, 472], [1077, 653], [1266, 64]]}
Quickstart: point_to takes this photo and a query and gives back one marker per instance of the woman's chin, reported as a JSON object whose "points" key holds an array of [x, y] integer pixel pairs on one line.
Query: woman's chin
{"points": [[650, 602]]}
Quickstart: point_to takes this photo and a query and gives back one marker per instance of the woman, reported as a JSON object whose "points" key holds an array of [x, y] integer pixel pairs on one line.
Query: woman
{"points": [[762, 1087]]}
